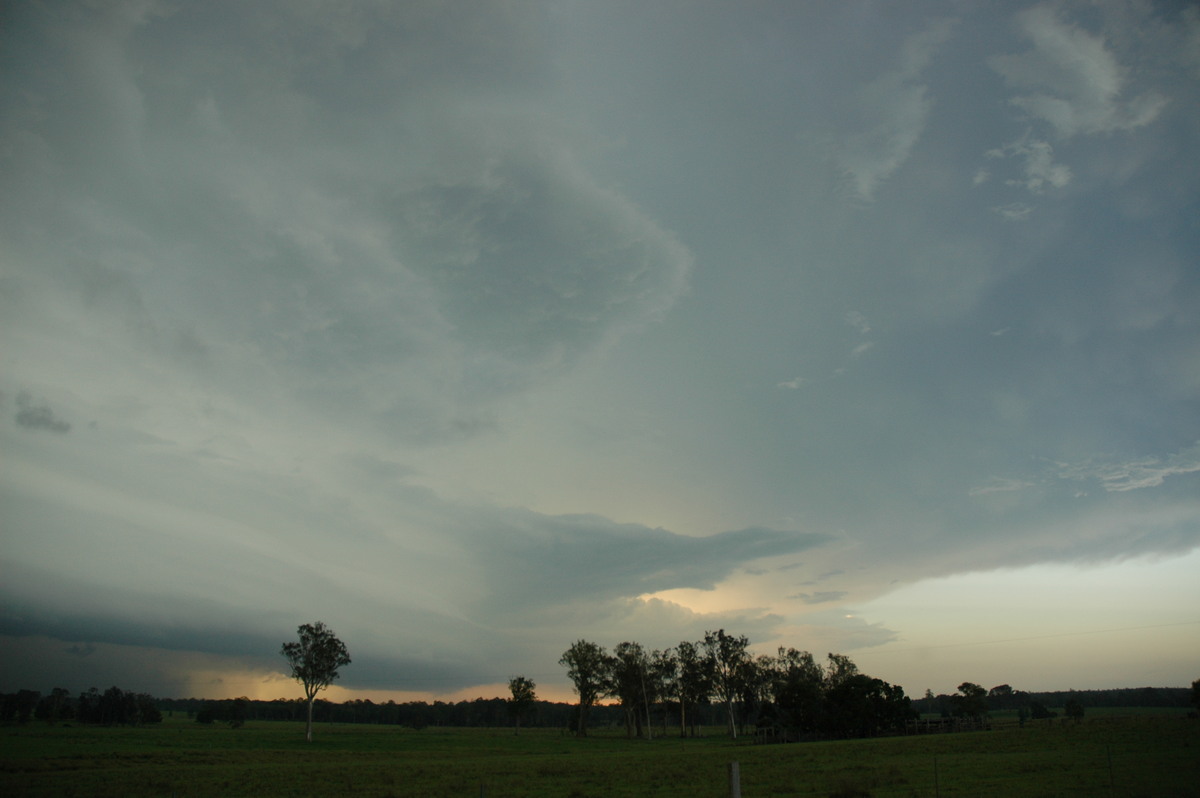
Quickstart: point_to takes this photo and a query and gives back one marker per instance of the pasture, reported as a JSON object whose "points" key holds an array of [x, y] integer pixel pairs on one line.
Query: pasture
{"points": [[1131, 754]]}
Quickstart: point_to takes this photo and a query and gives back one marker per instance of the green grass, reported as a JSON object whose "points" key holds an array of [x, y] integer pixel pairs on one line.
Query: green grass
{"points": [[1150, 755]]}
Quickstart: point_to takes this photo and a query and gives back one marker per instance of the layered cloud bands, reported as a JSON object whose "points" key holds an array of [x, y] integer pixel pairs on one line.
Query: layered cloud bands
{"points": [[238, 238], [387, 252], [475, 328]]}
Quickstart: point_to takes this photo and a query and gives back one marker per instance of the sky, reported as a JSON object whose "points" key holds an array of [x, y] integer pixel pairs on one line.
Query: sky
{"points": [[475, 329]]}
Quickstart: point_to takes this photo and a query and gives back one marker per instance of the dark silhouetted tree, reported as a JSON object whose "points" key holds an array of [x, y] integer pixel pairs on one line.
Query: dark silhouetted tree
{"points": [[971, 701], [692, 683], [839, 669], [147, 712], [19, 706], [756, 677], [1038, 711], [799, 691], [1073, 710], [629, 669], [729, 658], [861, 706], [660, 674], [314, 660], [587, 666], [523, 698], [55, 707]]}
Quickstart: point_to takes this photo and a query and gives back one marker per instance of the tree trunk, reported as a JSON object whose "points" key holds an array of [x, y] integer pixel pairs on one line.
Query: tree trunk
{"points": [[646, 703], [308, 728]]}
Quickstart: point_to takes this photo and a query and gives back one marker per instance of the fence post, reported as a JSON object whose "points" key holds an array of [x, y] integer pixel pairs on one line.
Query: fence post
{"points": [[735, 781]]}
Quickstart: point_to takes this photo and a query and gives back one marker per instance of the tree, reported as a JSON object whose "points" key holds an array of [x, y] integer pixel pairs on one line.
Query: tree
{"points": [[693, 679], [861, 706], [1073, 710], [628, 668], [1002, 696], [88, 706], [54, 707], [971, 702], [1196, 694], [523, 697], [729, 657], [315, 660], [1038, 711], [587, 667], [839, 669], [799, 690], [756, 677], [660, 677]]}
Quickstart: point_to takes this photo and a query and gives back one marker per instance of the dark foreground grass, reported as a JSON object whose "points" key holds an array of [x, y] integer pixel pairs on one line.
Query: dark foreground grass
{"points": [[1138, 755]]}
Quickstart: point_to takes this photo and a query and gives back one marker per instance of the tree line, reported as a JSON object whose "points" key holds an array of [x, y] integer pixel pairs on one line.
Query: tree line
{"points": [[59, 705], [789, 691], [113, 707], [973, 700]]}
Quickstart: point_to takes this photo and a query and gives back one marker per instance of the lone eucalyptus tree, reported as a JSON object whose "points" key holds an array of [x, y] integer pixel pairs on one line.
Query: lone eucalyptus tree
{"points": [[315, 659]]}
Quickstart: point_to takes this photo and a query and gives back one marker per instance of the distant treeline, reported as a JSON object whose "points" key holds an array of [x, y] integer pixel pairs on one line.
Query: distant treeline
{"points": [[115, 707], [479, 712], [1004, 698]]}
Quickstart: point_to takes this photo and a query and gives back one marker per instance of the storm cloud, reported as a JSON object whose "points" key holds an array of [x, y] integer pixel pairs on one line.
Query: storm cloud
{"points": [[472, 331]]}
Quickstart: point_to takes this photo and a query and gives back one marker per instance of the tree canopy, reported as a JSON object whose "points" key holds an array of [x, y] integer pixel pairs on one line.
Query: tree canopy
{"points": [[587, 667], [314, 660], [523, 698]]}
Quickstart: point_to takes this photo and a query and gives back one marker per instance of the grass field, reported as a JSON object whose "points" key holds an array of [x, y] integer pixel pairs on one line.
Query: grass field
{"points": [[1135, 754]]}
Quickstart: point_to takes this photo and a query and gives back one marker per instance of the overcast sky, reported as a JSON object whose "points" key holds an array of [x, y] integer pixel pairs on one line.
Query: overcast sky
{"points": [[473, 329]]}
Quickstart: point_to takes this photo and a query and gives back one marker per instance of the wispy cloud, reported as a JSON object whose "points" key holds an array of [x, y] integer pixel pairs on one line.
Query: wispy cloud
{"points": [[1000, 485], [1040, 171], [1077, 84], [858, 321], [820, 597], [1014, 211], [896, 107], [1136, 474]]}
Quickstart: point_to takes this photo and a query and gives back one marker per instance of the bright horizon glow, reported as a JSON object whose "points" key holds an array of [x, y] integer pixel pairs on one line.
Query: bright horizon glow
{"points": [[1127, 624]]}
